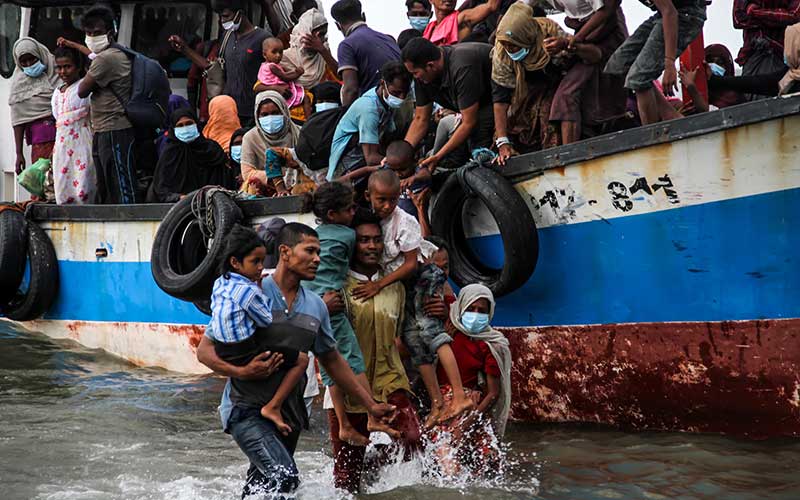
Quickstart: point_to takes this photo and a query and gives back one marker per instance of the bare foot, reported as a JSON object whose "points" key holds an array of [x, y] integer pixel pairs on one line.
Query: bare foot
{"points": [[457, 407], [434, 417], [378, 426], [274, 415], [352, 437]]}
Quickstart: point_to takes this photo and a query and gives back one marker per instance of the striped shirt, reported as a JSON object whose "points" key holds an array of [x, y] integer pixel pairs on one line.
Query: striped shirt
{"points": [[238, 307]]}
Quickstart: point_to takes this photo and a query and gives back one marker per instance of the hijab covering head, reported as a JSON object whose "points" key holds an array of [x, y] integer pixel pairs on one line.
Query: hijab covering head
{"points": [[30, 98], [184, 167], [328, 91], [722, 98], [791, 49], [288, 135], [296, 56], [498, 346], [521, 28], [223, 120], [237, 133]]}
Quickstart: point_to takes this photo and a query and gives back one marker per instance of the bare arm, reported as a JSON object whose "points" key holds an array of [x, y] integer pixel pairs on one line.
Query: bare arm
{"points": [[368, 289], [419, 125], [492, 393], [670, 25], [281, 89], [315, 43], [372, 153], [469, 120], [358, 173], [341, 373], [262, 366], [64, 42], [287, 76], [19, 135], [86, 86], [688, 78], [478, 13], [350, 87], [178, 44], [598, 23]]}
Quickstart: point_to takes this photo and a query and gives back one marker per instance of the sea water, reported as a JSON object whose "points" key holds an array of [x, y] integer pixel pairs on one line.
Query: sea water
{"points": [[81, 424]]}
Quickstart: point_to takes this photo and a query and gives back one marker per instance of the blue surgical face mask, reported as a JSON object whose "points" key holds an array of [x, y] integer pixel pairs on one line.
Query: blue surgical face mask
{"points": [[392, 101], [716, 69], [236, 153], [271, 124], [325, 106], [187, 133], [475, 322], [518, 55], [419, 23], [35, 69]]}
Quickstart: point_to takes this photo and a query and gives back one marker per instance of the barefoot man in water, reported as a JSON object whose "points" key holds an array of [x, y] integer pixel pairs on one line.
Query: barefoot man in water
{"points": [[301, 323]]}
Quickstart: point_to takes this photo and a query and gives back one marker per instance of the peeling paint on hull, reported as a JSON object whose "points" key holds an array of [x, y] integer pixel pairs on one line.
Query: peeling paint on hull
{"points": [[740, 378]]}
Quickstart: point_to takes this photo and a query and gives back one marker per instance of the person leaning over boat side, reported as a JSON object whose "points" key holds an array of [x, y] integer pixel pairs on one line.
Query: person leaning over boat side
{"points": [[31, 90], [74, 176], [189, 162], [302, 317], [453, 25], [459, 78], [525, 79], [361, 131], [786, 81], [362, 53], [482, 354], [585, 95], [652, 49], [763, 24], [376, 322], [108, 81]]}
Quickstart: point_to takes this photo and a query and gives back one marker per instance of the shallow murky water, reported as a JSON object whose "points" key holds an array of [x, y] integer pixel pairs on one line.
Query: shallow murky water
{"points": [[80, 424]]}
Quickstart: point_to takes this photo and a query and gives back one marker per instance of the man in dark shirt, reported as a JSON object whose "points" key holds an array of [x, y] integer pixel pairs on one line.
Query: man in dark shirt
{"points": [[763, 24], [458, 78], [242, 56], [301, 323], [362, 53]]}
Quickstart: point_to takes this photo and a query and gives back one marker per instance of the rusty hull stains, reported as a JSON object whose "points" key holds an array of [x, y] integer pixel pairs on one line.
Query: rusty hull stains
{"points": [[739, 377]]}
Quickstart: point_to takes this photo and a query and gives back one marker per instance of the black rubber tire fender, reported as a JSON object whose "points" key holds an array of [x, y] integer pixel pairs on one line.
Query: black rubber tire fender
{"points": [[43, 286], [514, 220], [181, 265], [13, 252]]}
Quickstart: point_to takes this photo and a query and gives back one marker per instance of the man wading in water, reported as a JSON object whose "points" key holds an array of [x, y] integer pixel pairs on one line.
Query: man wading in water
{"points": [[300, 322]]}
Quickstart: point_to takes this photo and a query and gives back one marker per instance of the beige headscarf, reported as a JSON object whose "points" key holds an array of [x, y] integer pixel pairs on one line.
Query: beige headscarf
{"points": [[520, 28], [30, 98], [256, 141], [297, 57], [498, 346], [791, 49]]}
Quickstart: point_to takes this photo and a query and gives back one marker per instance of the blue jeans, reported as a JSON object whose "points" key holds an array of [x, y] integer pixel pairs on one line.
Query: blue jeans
{"points": [[272, 471]]}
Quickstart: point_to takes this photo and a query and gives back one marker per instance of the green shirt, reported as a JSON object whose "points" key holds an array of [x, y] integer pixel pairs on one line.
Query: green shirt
{"points": [[337, 243]]}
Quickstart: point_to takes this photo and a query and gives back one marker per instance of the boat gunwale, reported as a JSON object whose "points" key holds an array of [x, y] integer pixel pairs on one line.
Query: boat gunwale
{"points": [[527, 166]]}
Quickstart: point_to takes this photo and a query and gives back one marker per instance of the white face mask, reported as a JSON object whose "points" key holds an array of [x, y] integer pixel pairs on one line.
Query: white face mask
{"points": [[232, 24], [98, 43]]}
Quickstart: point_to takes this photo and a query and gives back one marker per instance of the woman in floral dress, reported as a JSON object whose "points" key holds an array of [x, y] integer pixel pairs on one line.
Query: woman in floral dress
{"points": [[73, 168]]}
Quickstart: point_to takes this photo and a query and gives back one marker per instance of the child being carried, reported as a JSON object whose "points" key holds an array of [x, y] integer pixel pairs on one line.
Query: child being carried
{"points": [[271, 73]]}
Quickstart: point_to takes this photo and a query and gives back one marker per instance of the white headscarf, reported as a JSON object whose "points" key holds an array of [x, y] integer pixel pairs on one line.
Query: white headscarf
{"points": [[296, 56], [498, 346], [30, 98]]}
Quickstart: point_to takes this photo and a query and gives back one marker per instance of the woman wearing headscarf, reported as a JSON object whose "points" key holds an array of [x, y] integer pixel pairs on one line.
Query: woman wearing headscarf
{"points": [[32, 86], [484, 363], [273, 134], [223, 121], [719, 62], [783, 82], [174, 103], [189, 161], [235, 156], [308, 49], [524, 80]]}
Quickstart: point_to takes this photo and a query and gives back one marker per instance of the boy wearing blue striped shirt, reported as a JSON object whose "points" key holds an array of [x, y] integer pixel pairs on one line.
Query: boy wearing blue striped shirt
{"points": [[239, 307]]}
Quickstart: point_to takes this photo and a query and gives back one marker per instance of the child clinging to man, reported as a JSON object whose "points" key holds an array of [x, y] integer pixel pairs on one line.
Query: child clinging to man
{"points": [[271, 73], [334, 206], [425, 337], [239, 313]]}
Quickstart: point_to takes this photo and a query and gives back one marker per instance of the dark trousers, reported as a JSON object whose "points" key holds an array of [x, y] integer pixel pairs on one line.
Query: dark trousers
{"points": [[348, 460], [482, 136], [272, 469], [114, 156]]}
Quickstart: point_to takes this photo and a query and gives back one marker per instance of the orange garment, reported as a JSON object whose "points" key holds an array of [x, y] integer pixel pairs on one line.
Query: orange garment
{"points": [[444, 32], [223, 121]]}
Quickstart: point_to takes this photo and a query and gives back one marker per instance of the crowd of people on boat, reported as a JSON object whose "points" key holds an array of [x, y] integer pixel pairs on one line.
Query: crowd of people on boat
{"points": [[367, 135], [277, 115]]}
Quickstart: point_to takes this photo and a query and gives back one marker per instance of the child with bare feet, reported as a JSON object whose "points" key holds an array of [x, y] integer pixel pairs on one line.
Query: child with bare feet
{"points": [[425, 337], [334, 205], [272, 74], [239, 309]]}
